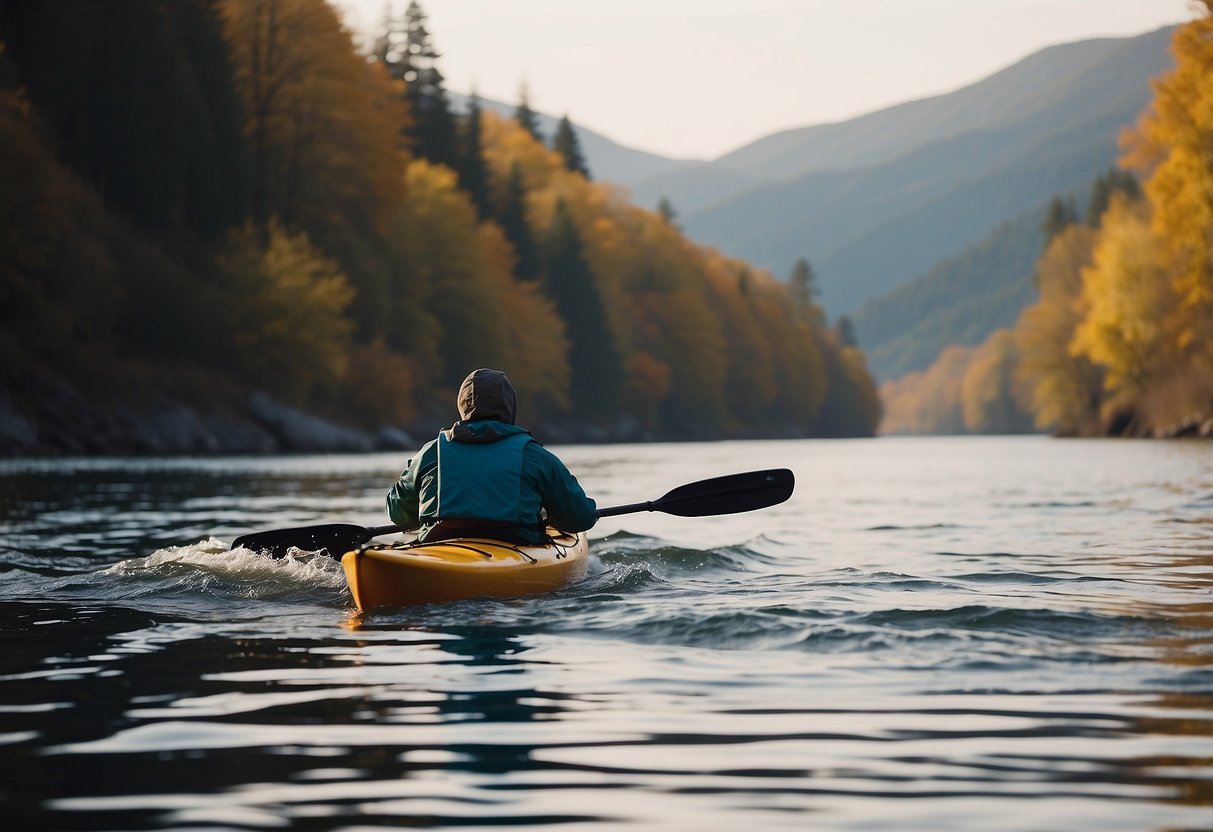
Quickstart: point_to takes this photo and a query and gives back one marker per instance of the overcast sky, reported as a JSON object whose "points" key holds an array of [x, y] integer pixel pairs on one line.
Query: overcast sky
{"points": [[697, 78]]}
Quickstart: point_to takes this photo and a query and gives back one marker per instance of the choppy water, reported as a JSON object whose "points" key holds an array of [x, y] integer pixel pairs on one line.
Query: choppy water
{"points": [[932, 634]]}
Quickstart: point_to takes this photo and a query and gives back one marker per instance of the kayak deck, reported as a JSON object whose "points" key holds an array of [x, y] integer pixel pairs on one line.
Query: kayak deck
{"points": [[452, 570]]}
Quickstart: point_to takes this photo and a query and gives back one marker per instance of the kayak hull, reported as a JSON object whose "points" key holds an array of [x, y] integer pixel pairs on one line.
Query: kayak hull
{"points": [[453, 570]]}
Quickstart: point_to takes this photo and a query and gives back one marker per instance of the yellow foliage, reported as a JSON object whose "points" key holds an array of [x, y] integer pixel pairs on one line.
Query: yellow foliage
{"points": [[987, 389], [286, 305], [506, 142], [928, 401], [1128, 300], [325, 125], [1175, 139], [536, 353], [1060, 389]]}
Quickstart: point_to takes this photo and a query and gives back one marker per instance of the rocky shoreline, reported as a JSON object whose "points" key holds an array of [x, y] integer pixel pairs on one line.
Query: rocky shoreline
{"points": [[67, 424], [64, 422]]}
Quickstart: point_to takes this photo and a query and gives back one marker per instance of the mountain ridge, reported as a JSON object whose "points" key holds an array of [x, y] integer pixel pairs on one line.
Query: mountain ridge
{"points": [[863, 228]]}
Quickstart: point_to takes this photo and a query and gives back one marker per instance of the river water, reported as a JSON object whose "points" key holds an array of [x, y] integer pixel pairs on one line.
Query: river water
{"points": [[932, 634]]}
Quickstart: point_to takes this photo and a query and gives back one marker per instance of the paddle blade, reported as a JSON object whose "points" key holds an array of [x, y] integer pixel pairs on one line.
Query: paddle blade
{"points": [[730, 494], [335, 539]]}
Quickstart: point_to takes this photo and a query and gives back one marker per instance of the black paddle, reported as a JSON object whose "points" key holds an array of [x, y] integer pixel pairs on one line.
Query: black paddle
{"points": [[336, 539], [720, 495], [731, 494]]}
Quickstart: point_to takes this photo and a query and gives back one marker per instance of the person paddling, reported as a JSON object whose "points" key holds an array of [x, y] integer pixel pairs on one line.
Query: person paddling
{"points": [[486, 477]]}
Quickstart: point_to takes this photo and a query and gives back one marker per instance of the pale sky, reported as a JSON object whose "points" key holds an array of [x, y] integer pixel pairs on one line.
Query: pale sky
{"points": [[698, 78]]}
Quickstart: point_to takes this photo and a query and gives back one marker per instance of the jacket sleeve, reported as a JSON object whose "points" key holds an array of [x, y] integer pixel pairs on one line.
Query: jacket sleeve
{"points": [[403, 501], [568, 508]]}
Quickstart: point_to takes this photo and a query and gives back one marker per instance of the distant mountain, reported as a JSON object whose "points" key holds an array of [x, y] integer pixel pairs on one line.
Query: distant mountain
{"points": [[962, 300], [876, 200], [608, 160]]}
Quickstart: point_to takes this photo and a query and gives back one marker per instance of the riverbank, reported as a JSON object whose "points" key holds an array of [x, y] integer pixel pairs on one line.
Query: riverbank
{"points": [[61, 420]]}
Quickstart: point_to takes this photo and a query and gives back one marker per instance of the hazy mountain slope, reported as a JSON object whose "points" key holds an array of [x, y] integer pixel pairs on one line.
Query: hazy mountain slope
{"points": [[1011, 95], [608, 160], [866, 230], [1058, 80], [960, 301], [913, 241], [822, 212]]}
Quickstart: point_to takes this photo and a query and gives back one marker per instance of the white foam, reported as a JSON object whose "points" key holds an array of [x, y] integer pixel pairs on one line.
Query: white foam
{"points": [[211, 557]]}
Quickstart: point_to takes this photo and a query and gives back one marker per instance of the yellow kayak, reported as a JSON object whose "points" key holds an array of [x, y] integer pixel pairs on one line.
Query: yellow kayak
{"points": [[452, 570]]}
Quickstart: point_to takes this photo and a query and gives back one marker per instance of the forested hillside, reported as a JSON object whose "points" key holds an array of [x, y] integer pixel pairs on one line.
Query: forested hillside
{"points": [[1120, 338], [962, 300], [218, 212]]}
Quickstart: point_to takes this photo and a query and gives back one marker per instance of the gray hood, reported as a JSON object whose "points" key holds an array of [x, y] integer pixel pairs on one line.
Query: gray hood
{"points": [[487, 394]]}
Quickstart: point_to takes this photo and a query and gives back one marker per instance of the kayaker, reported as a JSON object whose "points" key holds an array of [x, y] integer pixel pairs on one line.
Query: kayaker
{"points": [[486, 477]]}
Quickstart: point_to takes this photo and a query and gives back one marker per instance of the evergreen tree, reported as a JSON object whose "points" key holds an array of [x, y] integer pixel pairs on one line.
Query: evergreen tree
{"points": [[473, 172], [565, 143], [845, 331], [596, 377], [804, 289], [525, 116], [665, 209], [407, 49], [1061, 214], [513, 221], [1113, 182]]}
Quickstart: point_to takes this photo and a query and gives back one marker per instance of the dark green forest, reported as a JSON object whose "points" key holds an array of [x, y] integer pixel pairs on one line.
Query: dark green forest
{"points": [[221, 214]]}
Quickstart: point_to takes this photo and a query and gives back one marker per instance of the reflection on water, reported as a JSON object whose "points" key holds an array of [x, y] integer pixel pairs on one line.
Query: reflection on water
{"points": [[933, 634]]}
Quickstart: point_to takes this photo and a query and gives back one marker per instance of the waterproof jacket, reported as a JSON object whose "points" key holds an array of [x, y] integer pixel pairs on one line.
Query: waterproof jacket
{"points": [[488, 475]]}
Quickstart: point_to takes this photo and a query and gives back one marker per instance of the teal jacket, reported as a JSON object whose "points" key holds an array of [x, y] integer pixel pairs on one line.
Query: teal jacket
{"points": [[490, 471]]}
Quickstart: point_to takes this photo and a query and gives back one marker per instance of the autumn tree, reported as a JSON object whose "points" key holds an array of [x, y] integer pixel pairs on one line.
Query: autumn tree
{"points": [[566, 143], [987, 389], [285, 328], [928, 401], [1062, 390], [324, 124], [1172, 145], [852, 405], [1129, 300], [444, 279]]}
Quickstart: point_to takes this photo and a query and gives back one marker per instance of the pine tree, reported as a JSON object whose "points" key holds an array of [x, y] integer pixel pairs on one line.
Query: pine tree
{"points": [[845, 331], [525, 116], [1061, 215], [804, 289], [407, 49], [1115, 181], [565, 143], [472, 170], [513, 221], [596, 377], [665, 209]]}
